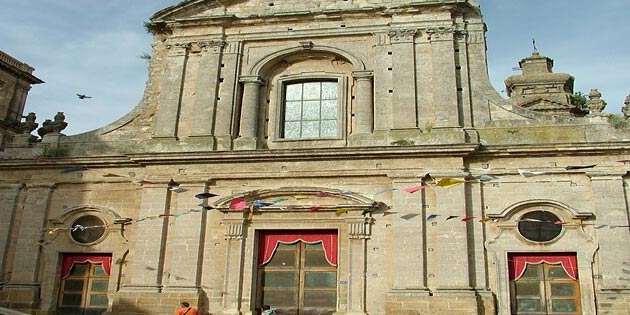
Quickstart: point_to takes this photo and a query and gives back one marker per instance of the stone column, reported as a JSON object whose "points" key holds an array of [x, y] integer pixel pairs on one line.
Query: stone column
{"points": [[233, 268], [204, 106], [249, 113], [228, 93], [409, 253], [24, 286], [170, 92], [9, 194], [404, 74], [611, 208], [359, 232], [447, 111], [147, 261], [186, 243], [364, 104]]}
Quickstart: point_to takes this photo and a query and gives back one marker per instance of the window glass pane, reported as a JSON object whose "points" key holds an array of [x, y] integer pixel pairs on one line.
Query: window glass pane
{"points": [[79, 270], [541, 230], [99, 285], [320, 299], [528, 288], [91, 234], [329, 109], [532, 271], [557, 273], [329, 128], [316, 258], [70, 311], [329, 90], [293, 92], [563, 306], [73, 285], [279, 279], [98, 300], [312, 91], [528, 305], [311, 110], [279, 298], [98, 271], [320, 279], [293, 111], [282, 258], [71, 299], [310, 129], [562, 289], [93, 311], [292, 130]]}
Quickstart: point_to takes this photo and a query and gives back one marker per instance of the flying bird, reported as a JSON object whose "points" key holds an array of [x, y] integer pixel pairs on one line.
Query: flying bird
{"points": [[83, 96]]}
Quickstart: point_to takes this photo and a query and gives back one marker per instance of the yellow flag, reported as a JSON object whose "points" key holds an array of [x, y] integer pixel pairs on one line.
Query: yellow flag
{"points": [[449, 182], [341, 211]]}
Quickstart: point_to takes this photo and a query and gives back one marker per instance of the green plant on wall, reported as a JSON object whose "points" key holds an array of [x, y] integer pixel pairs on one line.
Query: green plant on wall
{"points": [[618, 121]]}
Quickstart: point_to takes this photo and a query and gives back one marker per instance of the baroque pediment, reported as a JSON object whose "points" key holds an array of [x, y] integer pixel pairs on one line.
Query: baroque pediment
{"points": [[253, 8], [313, 199]]}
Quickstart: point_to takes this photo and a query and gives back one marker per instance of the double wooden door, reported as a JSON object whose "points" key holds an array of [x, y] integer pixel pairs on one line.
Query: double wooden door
{"points": [[298, 280], [545, 289]]}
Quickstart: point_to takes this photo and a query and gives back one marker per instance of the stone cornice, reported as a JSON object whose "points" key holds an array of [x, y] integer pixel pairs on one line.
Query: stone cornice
{"points": [[568, 149], [306, 154]]}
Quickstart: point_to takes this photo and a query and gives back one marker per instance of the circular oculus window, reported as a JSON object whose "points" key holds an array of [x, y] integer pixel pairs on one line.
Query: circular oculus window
{"points": [[539, 226], [87, 229]]}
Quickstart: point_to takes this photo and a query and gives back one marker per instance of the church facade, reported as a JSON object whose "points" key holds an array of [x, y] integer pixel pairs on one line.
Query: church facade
{"points": [[325, 157]]}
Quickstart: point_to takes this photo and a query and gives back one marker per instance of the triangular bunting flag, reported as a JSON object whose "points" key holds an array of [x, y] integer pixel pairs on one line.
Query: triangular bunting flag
{"points": [[526, 173], [449, 182], [415, 188]]}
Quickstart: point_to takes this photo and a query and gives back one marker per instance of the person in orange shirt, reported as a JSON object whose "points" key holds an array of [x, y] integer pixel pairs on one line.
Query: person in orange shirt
{"points": [[187, 310]]}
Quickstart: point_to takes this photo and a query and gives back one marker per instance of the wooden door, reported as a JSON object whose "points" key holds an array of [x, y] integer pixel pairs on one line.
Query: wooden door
{"points": [[84, 291], [545, 289], [298, 280]]}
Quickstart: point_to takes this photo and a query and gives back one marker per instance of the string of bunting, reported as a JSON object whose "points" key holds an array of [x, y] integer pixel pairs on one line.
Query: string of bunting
{"points": [[239, 204]]}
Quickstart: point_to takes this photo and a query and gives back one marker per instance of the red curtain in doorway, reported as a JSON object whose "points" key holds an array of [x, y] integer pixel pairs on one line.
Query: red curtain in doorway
{"points": [[518, 263], [70, 259], [269, 241]]}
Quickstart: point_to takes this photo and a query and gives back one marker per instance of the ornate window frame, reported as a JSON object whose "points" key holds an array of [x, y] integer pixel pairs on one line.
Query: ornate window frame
{"points": [[503, 238], [342, 103]]}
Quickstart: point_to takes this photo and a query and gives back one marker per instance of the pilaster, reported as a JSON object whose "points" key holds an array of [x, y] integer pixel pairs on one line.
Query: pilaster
{"points": [[147, 263], [225, 122], [447, 242], [359, 232], [612, 192], [204, 106], [232, 286], [9, 196], [23, 286], [170, 91], [186, 243], [404, 71], [444, 83]]}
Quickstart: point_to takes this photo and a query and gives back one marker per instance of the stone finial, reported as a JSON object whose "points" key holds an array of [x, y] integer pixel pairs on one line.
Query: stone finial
{"points": [[595, 102], [56, 125], [59, 123], [29, 123], [626, 109]]}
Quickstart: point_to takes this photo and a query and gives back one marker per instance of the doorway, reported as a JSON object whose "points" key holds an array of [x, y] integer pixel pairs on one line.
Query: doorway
{"points": [[547, 285], [297, 272], [84, 285]]}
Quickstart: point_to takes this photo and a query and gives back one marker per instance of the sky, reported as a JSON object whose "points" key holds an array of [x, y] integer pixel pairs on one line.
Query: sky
{"points": [[93, 48]]}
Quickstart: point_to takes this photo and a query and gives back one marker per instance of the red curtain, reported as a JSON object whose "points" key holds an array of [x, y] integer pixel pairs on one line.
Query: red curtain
{"points": [[269, 241], [70, 259], [518, 263]]}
